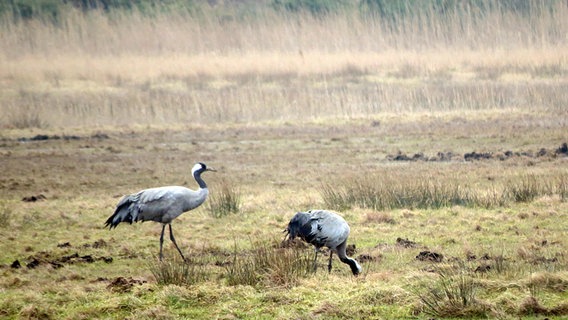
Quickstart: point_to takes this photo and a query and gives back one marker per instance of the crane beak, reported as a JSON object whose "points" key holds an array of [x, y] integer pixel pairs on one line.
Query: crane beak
{"points": [[210, 169], [286, 235], [284, 240]]}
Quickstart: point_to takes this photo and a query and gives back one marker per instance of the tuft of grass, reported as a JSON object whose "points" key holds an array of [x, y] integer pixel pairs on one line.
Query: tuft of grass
{"points": [[173, 270], [383, 193], [562, 187], [500, 265], [227, 200], [268, 264], [387, 193], [525, 189], [489, 198], [336, 198], [6, 214], [532, 307], [453, 295]]}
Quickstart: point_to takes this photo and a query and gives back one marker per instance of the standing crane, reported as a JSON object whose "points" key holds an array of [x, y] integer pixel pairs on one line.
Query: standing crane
{"points": [[323, 228], [162, 204]]}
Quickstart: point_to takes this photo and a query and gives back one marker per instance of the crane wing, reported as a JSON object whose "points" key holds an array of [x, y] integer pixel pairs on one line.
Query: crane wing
{"points": [[145, 205], [329, 229]]}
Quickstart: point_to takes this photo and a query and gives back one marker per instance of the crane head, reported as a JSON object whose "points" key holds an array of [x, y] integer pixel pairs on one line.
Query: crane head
{"points": [[200, 167], [298, 226]]}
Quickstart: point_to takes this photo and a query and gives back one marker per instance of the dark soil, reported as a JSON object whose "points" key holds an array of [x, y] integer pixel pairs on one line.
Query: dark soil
{"points": [[369, 258], [121, 284], [39, 197], [45, 137], [59, 259], [562, 151], [351, 249], [405, 243], [430, 256]]}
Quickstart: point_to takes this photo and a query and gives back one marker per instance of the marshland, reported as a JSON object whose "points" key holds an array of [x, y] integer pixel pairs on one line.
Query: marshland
{"points": [[437, 129]]}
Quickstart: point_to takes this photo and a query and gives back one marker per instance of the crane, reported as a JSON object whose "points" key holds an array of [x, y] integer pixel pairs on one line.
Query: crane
{"points": [[162, 204], [323, 228]]}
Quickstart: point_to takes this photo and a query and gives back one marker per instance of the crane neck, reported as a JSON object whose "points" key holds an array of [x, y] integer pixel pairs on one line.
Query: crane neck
{"points": [[200, 182]]}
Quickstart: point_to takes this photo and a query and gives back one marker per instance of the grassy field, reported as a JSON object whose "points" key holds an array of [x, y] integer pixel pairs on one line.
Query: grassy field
{"points": [[425, 138]]}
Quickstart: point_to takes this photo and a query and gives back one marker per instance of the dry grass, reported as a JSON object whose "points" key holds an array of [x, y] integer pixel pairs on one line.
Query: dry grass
{"points": [[268, 265], [225, 200], [126, 70], [453, 295], [522, 243], [392, 191], [282, 109], [174, 270]]}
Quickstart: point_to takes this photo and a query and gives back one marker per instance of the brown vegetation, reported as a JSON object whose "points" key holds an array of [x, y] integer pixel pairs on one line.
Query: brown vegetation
{"points": [[291, 111]]}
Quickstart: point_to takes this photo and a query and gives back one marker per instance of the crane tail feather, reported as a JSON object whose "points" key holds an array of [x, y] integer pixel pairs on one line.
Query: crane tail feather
{"points": [[125, 212]]}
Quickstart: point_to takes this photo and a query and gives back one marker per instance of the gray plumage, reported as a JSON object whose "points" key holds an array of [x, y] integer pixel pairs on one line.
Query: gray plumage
{"points": [[162, 204], [323, 228]]}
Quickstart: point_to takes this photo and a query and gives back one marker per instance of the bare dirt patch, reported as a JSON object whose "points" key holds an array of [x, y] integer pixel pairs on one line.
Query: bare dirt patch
{"points": [[59, 258], [430, 256], [34, 198], [122, 285], [46, 137]]}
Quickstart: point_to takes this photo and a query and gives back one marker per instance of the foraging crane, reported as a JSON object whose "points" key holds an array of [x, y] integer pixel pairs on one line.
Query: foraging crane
{"points": [[162, 204], [323, 228]]}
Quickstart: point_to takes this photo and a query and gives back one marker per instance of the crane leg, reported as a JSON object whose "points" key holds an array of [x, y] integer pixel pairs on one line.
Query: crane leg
{"points": [[174, 241], [329, 265], [162, 241]]}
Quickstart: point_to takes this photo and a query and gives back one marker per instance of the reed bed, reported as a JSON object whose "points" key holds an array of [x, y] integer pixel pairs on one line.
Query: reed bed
{"points": [[97, 69]]}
